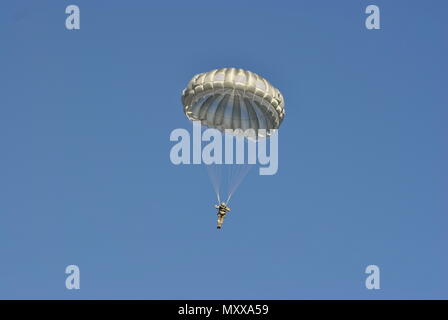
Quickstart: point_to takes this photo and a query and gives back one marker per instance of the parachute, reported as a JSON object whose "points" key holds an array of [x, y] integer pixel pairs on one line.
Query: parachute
{"points": [[237, 102]]}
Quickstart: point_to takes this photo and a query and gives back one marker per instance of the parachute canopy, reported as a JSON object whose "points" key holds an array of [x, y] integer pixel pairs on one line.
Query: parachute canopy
{"points": [[231, 98]]}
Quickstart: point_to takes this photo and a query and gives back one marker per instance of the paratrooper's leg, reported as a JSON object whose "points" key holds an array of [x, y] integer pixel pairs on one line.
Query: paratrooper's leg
{"points": [[220, 221]]}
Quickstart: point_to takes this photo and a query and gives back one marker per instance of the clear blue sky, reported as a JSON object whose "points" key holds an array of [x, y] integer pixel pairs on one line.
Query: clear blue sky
{"points": [[85, 175]]}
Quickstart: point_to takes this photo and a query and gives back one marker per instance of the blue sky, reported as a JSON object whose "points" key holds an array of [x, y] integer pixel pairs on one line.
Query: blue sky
{"points": [[85, 175]]}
